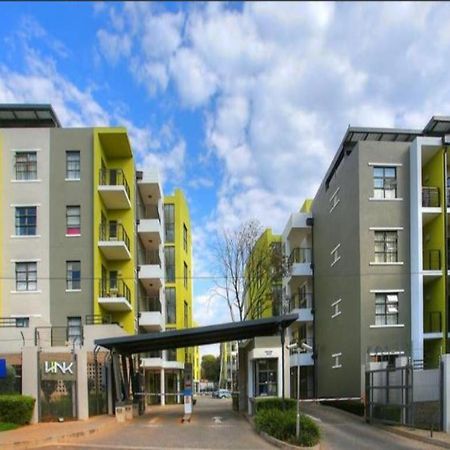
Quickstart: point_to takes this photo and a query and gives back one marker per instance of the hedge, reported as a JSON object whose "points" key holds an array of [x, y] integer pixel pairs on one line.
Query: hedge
{"points": [[275, 403], [16, 408], [281, 425]]}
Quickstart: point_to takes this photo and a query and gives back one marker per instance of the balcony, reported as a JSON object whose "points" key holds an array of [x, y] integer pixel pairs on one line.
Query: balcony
{"points": [[114, 189], [432, 325], [114, 295], [300, 261], [98, 319], [150, 270], [149, 185], [303, 304], [149, 226], [432, 264], [431, 204], [150, 316], [114, 242]]}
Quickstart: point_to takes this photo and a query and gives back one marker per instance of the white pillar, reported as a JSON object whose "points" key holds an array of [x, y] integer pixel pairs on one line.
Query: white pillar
{"points": [[163, 387], [178, 388], [30, 378], [446, 391], [82, 385]]}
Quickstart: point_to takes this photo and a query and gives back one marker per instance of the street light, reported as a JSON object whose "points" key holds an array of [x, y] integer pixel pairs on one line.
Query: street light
{"points": [[306, 347]]}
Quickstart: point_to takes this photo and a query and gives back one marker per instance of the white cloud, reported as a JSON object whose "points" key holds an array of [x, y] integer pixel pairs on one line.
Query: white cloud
{"points": [[114, 46]]}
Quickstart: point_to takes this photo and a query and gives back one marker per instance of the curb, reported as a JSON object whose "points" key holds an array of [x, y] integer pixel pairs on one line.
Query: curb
{"points": [[415, 437], [56, 439]]}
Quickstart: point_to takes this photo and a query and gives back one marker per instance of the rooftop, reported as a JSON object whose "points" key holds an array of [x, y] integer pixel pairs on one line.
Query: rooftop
{"points": [[28, 116]]}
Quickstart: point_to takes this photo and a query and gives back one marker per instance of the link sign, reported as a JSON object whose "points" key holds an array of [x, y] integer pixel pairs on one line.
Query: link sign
{"points": [[58, 370]]}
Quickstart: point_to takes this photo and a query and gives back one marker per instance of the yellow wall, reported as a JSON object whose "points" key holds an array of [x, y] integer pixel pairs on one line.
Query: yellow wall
{"points": [[307, 206], [116, 153]]}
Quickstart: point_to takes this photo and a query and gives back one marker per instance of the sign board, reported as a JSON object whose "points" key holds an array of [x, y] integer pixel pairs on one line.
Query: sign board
{"points": [[58, 370], [3, 370], [188, 375]]}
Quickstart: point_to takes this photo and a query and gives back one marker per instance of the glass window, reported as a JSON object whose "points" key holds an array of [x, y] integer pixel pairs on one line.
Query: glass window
{"points": [[186, 315], [73, 277], [185, 275], [26, 221], [22, 322], [26, 276], [386, 246], [185, 237], [73, 220], [169, 222], [73, 165], [169, 253], [385, 182], [74, 329], [26, 165], [386, 309], [266, 383], [171, 306]]}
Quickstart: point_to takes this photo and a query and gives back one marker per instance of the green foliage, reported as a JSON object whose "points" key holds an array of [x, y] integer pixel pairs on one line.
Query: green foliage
{"points": [[8, 384], [16, 408], [5, 426], [281, 425], [351, 406], [211, 368], [275, 403]]}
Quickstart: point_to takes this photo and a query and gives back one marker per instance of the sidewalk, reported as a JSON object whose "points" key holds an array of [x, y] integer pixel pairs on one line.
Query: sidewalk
{"points": [[439, 439], [31, 436]]}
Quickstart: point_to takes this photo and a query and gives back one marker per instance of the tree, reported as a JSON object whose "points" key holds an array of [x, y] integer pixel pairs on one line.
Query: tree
{"points": [[250, 266], [210, 368]]}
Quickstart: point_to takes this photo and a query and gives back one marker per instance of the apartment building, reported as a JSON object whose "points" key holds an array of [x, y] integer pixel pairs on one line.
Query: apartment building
{"points": [[228, 365]]}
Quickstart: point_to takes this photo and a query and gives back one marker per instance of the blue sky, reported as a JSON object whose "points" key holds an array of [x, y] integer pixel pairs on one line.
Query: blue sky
{"points": [[241, 105]]}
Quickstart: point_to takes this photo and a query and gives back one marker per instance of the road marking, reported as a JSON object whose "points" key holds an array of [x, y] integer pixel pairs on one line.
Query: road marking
{"points": [[217, 419], [313, 417]]}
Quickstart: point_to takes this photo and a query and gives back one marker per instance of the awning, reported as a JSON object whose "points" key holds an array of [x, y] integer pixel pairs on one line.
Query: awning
{"points": [[191, 337]]}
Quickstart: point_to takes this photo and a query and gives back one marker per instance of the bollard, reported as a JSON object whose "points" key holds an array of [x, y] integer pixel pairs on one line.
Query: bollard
{"points": [[120, 414]]}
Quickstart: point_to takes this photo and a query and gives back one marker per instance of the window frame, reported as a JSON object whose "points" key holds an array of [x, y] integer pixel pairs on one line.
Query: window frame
{"points": [[388, 183], [29, 163], [73, 283], [68, 227], [29, 280], [25, 226], [384, 314], [169, 261], [70, 171], [384, 242], [171, 305], [169, 223], [185, 237]]}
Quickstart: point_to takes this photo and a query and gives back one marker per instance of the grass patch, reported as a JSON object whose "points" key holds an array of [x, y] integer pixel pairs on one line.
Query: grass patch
{"points": [[5, 426]]}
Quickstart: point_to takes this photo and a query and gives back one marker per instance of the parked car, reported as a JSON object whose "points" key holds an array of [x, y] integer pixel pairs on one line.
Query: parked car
{"points": [[222, 393]]}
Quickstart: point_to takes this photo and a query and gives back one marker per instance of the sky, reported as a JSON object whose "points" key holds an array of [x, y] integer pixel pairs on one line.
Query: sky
{"points": [[242, 105]]}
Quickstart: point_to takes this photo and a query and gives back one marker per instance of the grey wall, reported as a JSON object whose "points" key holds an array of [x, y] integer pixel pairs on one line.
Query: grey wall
{"points": [[63, 248]]}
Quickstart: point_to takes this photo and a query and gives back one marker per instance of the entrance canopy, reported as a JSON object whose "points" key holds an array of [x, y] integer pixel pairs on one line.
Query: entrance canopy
{"points": [[191, 337]]}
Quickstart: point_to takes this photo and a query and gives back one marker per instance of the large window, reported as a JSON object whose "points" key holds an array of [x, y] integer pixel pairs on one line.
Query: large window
{"points": [[386, 246], [384, 182], [185, 237], [169, 222], [266, 383], [169, 253], [25, 220], [73, 277], [73, 220], [26, 276], [74, 330], [171, 305], [26, 165], [386, 309], [73, 165]]}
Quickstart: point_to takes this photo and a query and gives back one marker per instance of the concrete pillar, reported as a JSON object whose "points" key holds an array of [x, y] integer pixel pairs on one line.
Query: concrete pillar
{"points": [[30, 380], [82, 396], [446, 391], [163, 387]]}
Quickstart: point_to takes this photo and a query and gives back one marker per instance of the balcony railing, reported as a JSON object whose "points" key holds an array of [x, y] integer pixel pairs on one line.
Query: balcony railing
{"points": [[300, 255], [14, 322], [113, 231], [299, 301], [432, 260], [432, 322], [150, 212], [114, 177], [150, 304], [114, 288], [149, 257], [430, 197], [98, 319]]}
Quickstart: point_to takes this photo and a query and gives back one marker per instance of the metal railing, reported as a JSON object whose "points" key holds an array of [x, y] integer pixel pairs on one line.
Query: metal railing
{"points": [[300, 255], [299, 301], [113, 231], [148, 256], [150, 212], [58, 336], [432, 260], [98, 319], [114, 177], [432, 322], [150, 304], [114, 288], [430, 197]]}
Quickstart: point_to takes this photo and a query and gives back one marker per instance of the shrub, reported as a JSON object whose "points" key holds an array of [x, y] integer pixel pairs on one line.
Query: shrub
{"points": [[281, 425], [8, 384], [16, 408], [274, 403], [351, 406]]}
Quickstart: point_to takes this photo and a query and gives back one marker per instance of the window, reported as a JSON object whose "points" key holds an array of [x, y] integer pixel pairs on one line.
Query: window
{"points": [[386, 309], [186, 315], [26, 221], [337, 360], [73, 276], [74, 329], [266, 377], [26, 276], [335, 256], [185, 238], [384, 182], [73, 220], [26, 165], [334, 200], [169, 222], [22, 322], [335, 308], [169, 253], [171, 354], [185, 275], [171, 306], [73, 165], [386, 246]]}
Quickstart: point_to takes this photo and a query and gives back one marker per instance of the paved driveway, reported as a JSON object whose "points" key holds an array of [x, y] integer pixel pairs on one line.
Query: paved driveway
{"points": [[213, 426]]}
